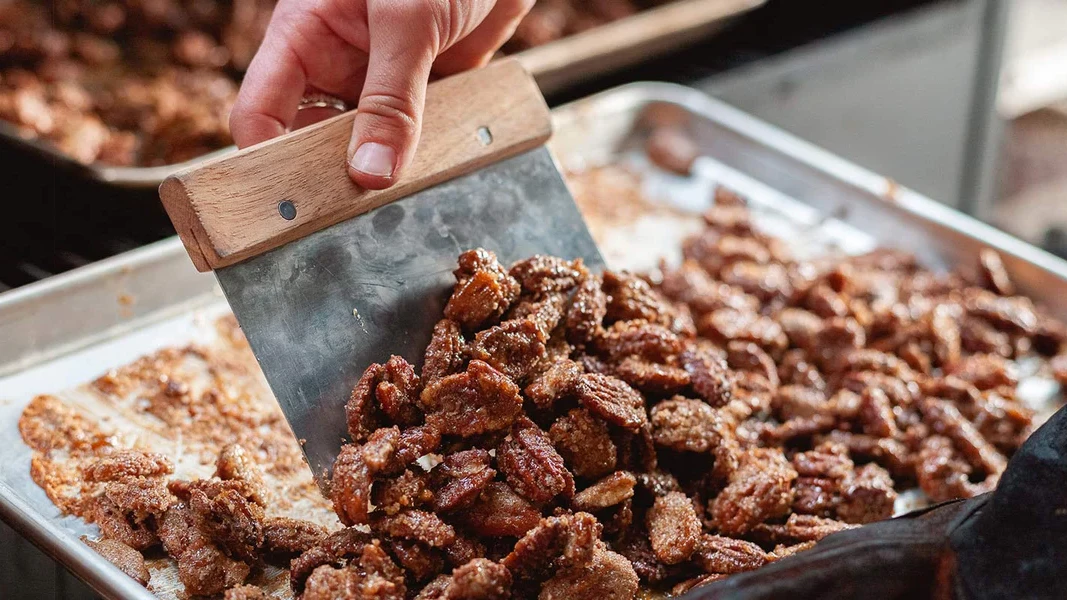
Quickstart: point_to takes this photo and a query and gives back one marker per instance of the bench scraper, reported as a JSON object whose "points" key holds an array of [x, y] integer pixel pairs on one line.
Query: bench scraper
{"points": [[326, 278]]}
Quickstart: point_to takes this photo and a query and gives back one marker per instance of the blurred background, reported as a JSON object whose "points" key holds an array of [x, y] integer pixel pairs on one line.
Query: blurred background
{"points": [[962, 100]]}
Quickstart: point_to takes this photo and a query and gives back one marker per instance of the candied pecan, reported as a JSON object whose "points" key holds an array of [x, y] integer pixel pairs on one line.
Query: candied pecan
{"points": [[638, 550], [287, 537], [245, 592], [797, 427], [460, 478], [350, 486], [605, 576], [649, 341], [1003, 421], [329, 583], [782, 550], [1013, 314], [128, 560], [435, 589], [612, 400], [800, 326], [984, 371], [838, 335], [420, 561], [499, 512], [410, 489], [637, 450], [444, 355], [514, 347], [545, 313], [828, 460], [709, 376], [825, 302], [584, 443], [795, 369], [127, 463], [764, 281], [979, 337], [686, 425], [672, 149], [991, 273], [230, 519], [696, 582], [558, 542], [891, 454], [479, 400], [876, 413], [945, 333], [818, 496], [673, 527], [609, 491], [479, 579], [484, 290], [632, 298], [540, 275], [726, 325], [791, 401], [398, 391], [946, 420], [334, 549], [234, 464], [361, 410], [867, 495], [746, 356], [797, 529], [585, 315], [417, 525], [202, 568], [718, 554], [760, 489], [692, 286], [657, 483], [864, 359], [128, 508], [531, 464], [652, 378], [942, 474], [374, 576], [464, 550]]}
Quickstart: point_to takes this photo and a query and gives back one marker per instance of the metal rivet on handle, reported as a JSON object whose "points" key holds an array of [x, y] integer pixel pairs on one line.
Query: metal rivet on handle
{"points": [[485, 136], [287, 210]]}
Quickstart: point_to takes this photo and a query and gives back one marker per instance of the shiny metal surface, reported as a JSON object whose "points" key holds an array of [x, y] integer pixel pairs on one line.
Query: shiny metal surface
{"points": [[67, 330], [319, 310]]}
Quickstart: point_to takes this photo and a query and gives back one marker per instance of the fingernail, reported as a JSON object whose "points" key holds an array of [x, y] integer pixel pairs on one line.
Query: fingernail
{"points": [[375, 159]]}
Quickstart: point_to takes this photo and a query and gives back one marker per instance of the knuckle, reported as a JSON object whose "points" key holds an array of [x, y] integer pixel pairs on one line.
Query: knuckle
{"points": [[398, 116]]}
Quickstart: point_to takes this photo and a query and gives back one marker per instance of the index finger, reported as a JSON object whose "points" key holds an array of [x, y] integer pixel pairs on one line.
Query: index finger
{"points": [[267, 102]]}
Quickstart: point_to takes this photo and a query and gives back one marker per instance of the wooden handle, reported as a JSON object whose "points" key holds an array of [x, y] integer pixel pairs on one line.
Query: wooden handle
{"points": [[229, 209]]}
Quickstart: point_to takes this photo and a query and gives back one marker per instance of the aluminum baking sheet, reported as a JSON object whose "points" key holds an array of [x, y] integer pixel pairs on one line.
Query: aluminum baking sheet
{"points": [[69, 329], [555, 65]]}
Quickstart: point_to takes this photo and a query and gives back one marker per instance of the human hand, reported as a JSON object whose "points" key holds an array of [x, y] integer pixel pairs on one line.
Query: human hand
{"points": [[375, 54]]}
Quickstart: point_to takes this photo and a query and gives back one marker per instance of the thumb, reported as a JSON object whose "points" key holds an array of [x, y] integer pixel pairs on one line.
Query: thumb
{"points": [[388, 121]]}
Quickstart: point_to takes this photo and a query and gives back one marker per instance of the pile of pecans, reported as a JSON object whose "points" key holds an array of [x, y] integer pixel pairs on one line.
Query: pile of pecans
{"points": [[126, 82], [574, 435]]}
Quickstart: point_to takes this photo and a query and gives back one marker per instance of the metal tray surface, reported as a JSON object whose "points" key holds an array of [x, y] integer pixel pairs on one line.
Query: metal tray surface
{"points": [[554, 65], [67, 330]]}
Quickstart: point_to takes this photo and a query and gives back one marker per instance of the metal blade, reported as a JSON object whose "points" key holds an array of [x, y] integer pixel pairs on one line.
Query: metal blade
{"points": [[319, 310]]}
